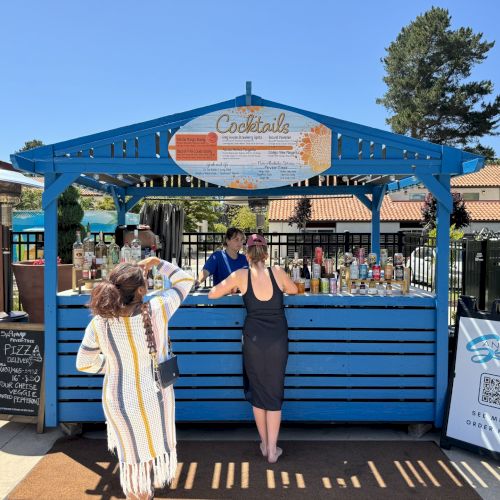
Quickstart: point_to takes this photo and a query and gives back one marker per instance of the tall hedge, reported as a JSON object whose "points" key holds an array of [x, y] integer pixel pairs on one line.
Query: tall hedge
{"points": [[70, 215]]}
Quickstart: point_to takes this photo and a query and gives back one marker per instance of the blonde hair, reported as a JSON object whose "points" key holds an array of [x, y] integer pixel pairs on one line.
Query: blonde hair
{"points": [[257, 253]]}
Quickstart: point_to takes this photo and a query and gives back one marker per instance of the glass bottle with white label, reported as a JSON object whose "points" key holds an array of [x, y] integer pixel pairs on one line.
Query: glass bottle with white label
{"points": [[78, 251], [88, 247], [135, 246], [101, 251]]}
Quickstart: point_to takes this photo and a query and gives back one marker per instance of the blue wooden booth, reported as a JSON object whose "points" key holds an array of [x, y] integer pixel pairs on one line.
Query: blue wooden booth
{"points": [[352, 359]]}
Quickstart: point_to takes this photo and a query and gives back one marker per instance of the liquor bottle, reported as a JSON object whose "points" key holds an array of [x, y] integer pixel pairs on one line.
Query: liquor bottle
{"points": [[158, 281], [113, 254], [276, 261], [126, 253], [94, 274], [306, 274], [104, 269], [101, 251], [86, 270], [295, 267], [135, 246], [88, 246], [174, 262], [78, 252], [287, 269], [150, 280]]}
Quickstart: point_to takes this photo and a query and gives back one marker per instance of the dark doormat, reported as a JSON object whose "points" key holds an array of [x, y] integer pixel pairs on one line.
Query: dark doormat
{"points": [[83, 468]]}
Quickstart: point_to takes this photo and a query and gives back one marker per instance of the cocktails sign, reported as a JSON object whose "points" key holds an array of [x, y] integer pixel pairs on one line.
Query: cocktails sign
{"points": [[252, 147]]}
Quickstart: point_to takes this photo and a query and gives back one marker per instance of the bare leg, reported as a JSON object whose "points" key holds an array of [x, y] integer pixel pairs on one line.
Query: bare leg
{"points": [[260, 420], [273, 420], [143, 496], [139, 497]]}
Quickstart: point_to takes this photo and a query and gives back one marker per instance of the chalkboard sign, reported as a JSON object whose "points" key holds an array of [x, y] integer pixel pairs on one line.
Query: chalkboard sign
{"points": [[21, 369]]}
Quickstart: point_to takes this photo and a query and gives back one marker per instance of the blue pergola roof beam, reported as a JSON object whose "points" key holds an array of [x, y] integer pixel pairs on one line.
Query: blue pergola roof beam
{"points": [[161, 166]]}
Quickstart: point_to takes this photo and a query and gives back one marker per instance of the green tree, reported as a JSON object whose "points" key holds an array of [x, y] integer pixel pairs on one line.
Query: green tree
{"points": [[31, 199], [429, 86], [34, 143], [196, 211], [105, 203], [244, 219], [87, 202], [220, 228], [69, 215]]}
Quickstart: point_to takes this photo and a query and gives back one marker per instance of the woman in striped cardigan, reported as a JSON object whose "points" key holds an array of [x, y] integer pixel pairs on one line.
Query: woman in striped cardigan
{"points": [[140, 417]]}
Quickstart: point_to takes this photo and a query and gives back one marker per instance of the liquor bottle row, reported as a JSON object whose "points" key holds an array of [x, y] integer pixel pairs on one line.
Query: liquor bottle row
{"points": [[96, 259], [356, 274]]}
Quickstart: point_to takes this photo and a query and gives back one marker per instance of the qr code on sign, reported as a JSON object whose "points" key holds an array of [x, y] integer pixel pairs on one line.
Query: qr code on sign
{"points": [[489, 390]]}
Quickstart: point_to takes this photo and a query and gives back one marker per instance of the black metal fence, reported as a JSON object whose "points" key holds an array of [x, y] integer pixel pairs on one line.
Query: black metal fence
{"points": [[419, 253], [482, 271]]}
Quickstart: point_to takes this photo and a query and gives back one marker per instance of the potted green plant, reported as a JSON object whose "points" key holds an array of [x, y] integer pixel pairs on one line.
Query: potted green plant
{"points": [[30, 273]]}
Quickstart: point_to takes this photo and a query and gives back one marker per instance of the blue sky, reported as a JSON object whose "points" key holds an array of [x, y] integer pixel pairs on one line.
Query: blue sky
{"points": [[73, 68]]}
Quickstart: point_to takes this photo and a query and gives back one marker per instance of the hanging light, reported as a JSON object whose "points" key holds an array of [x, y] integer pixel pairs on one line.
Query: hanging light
{"points": [[96, 177], [120, 177], [142, 178], [392, 178], [188, 178], [345, 178]]}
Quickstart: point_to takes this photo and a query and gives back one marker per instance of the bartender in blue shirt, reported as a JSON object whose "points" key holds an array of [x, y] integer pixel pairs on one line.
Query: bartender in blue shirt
{"points": [[224, 262]]}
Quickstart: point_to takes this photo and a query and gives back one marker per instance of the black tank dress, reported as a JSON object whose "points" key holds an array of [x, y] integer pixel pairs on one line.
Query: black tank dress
{"points": [[265, 348]]}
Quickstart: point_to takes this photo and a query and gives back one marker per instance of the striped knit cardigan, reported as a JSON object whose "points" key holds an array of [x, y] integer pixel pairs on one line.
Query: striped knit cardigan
{"points": [[140, 420]]}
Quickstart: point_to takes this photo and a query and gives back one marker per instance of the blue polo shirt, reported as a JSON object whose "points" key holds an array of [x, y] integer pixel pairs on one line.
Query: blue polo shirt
{"points": [[217, 268]]}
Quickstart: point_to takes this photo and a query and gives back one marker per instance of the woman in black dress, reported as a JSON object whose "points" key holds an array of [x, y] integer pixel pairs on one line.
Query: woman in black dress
{"points": [[265, 339]]}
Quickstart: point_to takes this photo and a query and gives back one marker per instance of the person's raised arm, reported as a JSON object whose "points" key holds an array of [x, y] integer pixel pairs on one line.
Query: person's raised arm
{"points": [[225, 287], [181, 283], [289, 286]]}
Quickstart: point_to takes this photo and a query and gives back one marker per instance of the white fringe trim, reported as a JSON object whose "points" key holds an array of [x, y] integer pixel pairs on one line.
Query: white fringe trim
{"points": [[136, 479], [112, 444]]}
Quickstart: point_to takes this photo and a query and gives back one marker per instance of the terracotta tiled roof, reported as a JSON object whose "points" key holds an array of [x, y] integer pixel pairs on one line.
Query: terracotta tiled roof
{"points": [[488, 176], [484, 210], [350, 209]]}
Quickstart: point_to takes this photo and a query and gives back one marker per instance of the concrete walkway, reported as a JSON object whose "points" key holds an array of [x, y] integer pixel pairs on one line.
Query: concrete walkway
{"points": [[21, 448]]}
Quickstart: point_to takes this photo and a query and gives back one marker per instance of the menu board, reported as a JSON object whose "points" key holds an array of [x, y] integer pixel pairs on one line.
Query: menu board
{"points": [[21, 368], [473, 416], [252, 147]]}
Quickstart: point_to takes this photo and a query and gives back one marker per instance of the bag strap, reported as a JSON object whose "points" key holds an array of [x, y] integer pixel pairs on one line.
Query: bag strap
{"points": [[150, 338], [224, 256]]}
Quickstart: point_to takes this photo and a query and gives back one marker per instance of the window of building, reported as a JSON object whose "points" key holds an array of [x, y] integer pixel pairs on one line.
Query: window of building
{"points": [[470, 196], [417, 197]]}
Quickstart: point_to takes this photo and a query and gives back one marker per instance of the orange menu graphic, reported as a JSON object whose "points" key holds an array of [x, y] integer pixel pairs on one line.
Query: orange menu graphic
{"points": [[195, 147], [204, 147]]}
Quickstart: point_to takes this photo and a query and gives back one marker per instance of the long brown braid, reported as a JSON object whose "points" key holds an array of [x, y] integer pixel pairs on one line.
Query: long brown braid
{"points": [[148, 327]]}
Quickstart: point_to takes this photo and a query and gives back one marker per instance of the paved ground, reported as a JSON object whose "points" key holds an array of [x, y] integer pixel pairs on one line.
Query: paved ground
{"points": [[21, 448]]}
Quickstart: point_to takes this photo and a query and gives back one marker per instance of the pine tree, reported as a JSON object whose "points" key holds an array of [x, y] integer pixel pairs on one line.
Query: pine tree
{"points": [[69, 215], [430, 90], [302, 213]]}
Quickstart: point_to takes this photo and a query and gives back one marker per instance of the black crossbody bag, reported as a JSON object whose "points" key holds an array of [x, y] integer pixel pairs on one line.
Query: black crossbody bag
{"points": [[166, 372]]}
